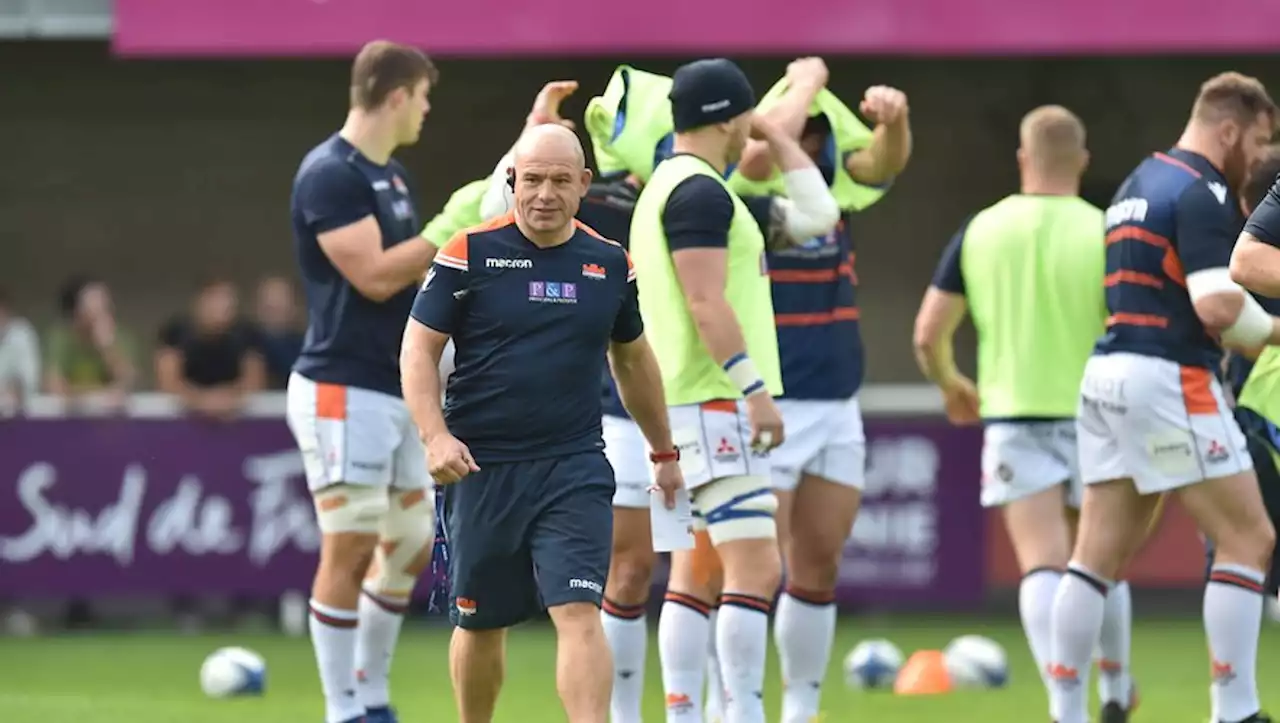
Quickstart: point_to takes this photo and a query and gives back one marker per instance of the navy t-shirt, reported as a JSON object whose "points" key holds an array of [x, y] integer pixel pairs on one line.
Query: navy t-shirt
{"points": [[531, 328], [1176, 214], [351, 340]]}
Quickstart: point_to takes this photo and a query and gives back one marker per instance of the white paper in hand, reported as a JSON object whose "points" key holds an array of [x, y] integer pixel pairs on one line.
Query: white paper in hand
{"points": [[672, 529]]}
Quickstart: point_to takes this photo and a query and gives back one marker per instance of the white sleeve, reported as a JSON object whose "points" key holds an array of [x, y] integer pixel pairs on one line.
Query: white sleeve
{"points": [[498, 198], [1252, 327], [809, 209]]}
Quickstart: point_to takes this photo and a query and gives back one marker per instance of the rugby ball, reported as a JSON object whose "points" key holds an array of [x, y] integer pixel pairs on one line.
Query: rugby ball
{"points": [[233, 672], [974, 661], [872, 664]]}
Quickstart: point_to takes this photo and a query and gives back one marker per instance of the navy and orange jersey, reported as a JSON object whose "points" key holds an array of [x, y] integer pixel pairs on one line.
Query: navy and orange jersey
{"points": [[815, 309], [351, 340], [531, 327], [1176, 214]]}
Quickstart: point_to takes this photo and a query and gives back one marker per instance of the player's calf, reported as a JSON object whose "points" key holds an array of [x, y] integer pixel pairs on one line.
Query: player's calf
{"points": [[477, 666], [626, 594], [349, 517], [1230, 512], [584, 669], [1112, 522], [403, 553], [739, 516], [814, 522]]}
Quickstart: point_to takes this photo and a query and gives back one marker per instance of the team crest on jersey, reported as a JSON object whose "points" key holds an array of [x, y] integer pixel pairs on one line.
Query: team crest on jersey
{"points": [[593, 271], [400, 185], [831, 238]]}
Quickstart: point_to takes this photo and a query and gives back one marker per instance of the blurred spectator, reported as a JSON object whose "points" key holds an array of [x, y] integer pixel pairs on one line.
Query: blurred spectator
{"points": [[88, 357], [19, 359], [279, 328], [210, 358]]}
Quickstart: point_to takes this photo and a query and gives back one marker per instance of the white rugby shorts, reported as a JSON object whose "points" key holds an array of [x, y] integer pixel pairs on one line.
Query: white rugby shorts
{"points": [[714, 439], [354, 436], [1163, 425], [1020, 459], [824, 438], [628, 454]]}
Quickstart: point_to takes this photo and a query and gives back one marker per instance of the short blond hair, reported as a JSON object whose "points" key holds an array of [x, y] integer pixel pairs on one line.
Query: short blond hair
{"points": [[1233, 96], [1053, 138]]}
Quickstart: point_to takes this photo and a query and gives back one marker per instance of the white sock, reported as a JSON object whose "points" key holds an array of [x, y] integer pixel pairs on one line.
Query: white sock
{"points": [[380, 620], [1114, 682], [1077, 621], [628, 636], [713, 711], [804, 628], [1233, 621], [682, 647], [333, 635], [1035, 605], [742, 637]]}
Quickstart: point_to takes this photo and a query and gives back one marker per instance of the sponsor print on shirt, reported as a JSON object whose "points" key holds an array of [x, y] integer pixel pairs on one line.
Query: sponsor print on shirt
{"points": [[553, 292]]}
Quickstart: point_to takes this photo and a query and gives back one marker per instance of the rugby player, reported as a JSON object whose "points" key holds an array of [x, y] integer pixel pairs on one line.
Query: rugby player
{"points": [[808, 211], [1030, 271], [1253, 379], [1153, 417], [533, 300], [701, 255], [818, 473], [360, 256]]}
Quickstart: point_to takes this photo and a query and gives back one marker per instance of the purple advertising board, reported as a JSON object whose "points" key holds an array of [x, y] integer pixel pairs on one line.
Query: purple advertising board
{"points": [[495, 28], [141, 507]]}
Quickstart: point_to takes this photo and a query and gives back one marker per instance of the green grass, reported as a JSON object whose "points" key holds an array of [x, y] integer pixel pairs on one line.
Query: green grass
{"points": [[151, 678]]}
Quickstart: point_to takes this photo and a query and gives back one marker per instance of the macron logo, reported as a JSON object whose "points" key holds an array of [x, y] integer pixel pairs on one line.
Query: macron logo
{"points": [[508, 263]]}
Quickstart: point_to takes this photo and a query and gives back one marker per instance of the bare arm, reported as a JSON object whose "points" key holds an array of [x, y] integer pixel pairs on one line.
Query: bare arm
{"points": [[169, 376], [886, 157], [377, 273], [640, 386], [702, 273], [940, 315], [1255, 265], [420, 353], [253, 373], [805, 78]]}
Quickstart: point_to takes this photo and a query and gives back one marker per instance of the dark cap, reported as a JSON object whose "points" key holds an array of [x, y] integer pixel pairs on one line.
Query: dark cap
{"points": [[706, 92]]}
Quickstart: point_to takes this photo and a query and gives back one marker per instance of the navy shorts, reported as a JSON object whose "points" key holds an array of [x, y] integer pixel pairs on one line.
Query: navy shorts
{"points": [[524, 536]]}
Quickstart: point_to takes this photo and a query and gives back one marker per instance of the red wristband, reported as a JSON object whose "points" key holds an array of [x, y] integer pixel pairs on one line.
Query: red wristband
{"points": [[671, 456]]}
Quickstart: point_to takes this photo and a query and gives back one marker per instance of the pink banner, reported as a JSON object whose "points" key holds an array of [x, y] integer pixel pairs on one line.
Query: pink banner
{"points": [[491, 28]]}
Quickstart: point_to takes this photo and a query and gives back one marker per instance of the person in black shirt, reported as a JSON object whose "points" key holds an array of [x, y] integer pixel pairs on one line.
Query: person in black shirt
{"points": [[210, 359], [533, 301]]}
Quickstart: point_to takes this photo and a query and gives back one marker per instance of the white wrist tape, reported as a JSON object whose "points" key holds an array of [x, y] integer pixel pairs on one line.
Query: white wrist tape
{"points": [[810, 209], [1252, 327], [743, 374]]}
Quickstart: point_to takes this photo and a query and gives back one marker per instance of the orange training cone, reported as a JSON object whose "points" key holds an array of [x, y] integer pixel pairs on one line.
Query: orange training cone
{"points": [[925, 673]]}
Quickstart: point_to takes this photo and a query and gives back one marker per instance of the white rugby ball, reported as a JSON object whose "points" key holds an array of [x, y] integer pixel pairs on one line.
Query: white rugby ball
{"points": [[231, 672], [974, 661], [872, 664]]}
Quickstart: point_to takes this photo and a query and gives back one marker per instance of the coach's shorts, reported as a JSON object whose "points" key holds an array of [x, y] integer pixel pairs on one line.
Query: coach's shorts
{"points": [[354, 436], [714, 439], [628, 454], [824, 439], [1020, 459], [528, 535], [1163, 425]]}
